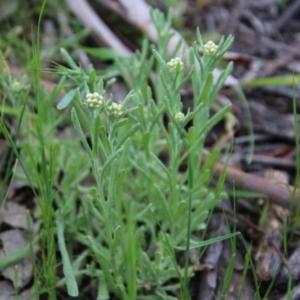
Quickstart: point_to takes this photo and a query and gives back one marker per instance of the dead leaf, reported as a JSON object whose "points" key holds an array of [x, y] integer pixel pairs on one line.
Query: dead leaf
{"points": [[14, 215], [7, 290], [13, 240]]}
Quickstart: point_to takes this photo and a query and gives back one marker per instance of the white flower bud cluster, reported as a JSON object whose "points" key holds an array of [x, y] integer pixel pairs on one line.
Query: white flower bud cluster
{"points": [[93, 100], [210, 48], [179, 117], [16, 86], [115, 109], [175, 65]]}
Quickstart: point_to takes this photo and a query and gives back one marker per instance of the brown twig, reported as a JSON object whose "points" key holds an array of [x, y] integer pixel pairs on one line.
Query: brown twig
{"points": [[277, 192], [288, 14]]}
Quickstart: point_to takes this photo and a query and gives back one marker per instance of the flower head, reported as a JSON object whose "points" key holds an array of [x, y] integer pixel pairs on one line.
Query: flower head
{"points": [[179, 117], [16, 86], [175, 65], [210, 48], [93, 100], [115, 109]]}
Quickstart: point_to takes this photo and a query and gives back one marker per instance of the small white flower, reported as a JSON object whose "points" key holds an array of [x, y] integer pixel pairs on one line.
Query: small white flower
{"points": [[93, 100], [179, 117], [175, 65], [115, 109], [210, 48]]}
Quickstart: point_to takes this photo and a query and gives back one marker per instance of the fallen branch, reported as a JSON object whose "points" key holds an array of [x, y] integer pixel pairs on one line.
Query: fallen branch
{"points": [[279, 193]]}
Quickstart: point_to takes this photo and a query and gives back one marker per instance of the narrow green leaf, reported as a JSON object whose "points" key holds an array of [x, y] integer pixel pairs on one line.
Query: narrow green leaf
{"points": [[209, 242], [81, 112], [121, 123], [93, 193], [129, 133], [146, 139], [215, 119], [245, 272], [164, 203], [95, 135], [182, 207], [16, 111], [131, 256], [80, 133], [105, 141], [67, 99], [213, 157], [142, 116], [205, 95], [117, 239], [220, 83], [68, 59], [67, 268], [228, 275], [158, 57], [161, 165], [112, 185], [191, 136], [110, 159], [101, 53], [273, 81], [16, 256], [104, 260], [103, 293]]}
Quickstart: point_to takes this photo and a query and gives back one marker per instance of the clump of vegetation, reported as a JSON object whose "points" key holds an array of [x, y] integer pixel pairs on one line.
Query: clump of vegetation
{"points": [[121, 214]]}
